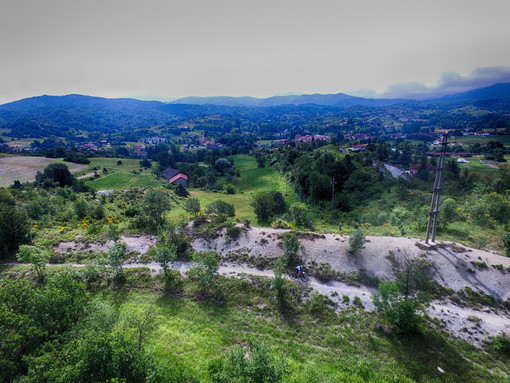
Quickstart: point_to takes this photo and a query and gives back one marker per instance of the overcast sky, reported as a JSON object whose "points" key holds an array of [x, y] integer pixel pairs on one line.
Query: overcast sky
{"points": [[172, 49]]}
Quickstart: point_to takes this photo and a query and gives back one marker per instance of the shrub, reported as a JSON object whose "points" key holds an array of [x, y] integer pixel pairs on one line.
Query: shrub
{"points": [[234, 231], [291, 247], [324, 272], [220, 207], [356, 241], [281, 224], [505, 238]]}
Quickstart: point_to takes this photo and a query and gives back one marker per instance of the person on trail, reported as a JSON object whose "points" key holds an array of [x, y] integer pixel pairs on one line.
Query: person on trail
{"points": [[299, 270]]}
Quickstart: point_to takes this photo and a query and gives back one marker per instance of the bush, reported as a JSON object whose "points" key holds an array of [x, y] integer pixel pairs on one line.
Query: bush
{"points": [[254, 363], [220, 207], [281, 224], [324, 272], [505, 238], [234, 231], [291, 247], [356, 241]]}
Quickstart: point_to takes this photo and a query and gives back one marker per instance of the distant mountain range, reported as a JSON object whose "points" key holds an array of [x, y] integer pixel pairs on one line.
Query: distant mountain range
{"points": [[340, 100], [60, 115]]}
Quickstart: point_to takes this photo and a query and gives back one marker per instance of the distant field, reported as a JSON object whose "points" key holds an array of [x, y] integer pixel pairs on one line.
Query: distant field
{"points": [[470, 140], [253, 179], [120, 176], [24, 168]]}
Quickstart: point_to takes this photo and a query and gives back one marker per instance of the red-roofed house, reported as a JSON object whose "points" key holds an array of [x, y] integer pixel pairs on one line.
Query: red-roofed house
{"points": [[179, 179]]}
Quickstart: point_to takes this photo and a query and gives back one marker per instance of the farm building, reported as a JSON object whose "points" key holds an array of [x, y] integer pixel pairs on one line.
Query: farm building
{"points": [[169, 173], [179, 179]]}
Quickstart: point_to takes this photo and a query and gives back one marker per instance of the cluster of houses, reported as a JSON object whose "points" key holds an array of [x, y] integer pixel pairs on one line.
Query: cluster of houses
{"points": [[95, 146]]}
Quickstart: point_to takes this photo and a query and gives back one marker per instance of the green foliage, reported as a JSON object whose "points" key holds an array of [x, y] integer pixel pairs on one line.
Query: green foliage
{"points": [[165, 256], [324, 273], [181, 191], [505, 238], [291, 248], [279, 285], [14, 228], [397, 308], [220, 207], [267, 205], [500, 343], [279, 223], [229, 188], [356, 241], [192, 206], [300, 215], [54, 175], [204, 268], [36, 256], [448, 212], [154, 206], [221, 165], [116, 257], [256, 363]]}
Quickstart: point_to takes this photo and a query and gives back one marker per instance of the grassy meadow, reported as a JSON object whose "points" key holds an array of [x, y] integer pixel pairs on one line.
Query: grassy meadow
{"points": [[128, 174], [253, 179]]}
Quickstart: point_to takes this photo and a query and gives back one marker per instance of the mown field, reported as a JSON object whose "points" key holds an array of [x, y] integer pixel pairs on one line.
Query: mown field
{"points": [[24, 168]]}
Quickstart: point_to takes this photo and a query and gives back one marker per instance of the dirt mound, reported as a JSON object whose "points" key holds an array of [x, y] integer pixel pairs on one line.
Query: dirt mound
{"points": [[453, 265]]}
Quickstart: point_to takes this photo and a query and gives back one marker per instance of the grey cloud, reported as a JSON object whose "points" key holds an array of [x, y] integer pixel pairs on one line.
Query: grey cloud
{"points": [[448, 83]]}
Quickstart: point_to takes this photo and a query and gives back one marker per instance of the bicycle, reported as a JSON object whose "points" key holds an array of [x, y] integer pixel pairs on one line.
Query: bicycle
{"points": [[303, 276]]}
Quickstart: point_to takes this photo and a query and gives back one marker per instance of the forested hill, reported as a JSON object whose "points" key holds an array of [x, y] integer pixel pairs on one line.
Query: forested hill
{"points": [[46, 115], [339, 100]]}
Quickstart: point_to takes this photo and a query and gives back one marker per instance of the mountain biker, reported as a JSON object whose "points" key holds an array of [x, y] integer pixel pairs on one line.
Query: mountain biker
{"points": [[299, 270]]}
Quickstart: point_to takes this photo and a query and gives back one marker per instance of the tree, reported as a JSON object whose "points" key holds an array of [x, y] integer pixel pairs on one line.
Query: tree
{"points": [[356, 241], [220, 207], [291, 247], [267, 205], [14, 228], [116, 256], [204, 268], [300, 215], [181, 191], [192, 206], [165, 256], [400, 300], [154, 206], [222, 164], [36, 256], [448, 212], [53, 175], [145, 163], [505, 238]]}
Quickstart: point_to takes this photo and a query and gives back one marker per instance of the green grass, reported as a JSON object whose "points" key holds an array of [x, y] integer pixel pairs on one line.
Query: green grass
{"points": [[120, 176], [253, 179], [470, 140], [190, 333]]}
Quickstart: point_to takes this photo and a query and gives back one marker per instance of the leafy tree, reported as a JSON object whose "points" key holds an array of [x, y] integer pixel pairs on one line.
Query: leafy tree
{"points": [[300, 215], [116, 257], [192, 206], [181, 191], [154, 206], [229, 188], [36, 256], [145, 163], [505, 238], [399, 310], [291, 247], [222, 164], [267, 205], [165, 256], [448, 212], [356, 241], [53, 175], [279, 285], [220, 207], [204, 268], [142, 321], [14, 228]]}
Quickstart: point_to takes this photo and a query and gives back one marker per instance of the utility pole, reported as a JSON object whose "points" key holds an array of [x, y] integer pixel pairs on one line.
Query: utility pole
{"points": [[436, 192], [332, 198]]}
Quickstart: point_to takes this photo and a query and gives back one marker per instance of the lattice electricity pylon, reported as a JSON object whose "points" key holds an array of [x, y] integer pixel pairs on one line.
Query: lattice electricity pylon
{"points": [[436, 192]]}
